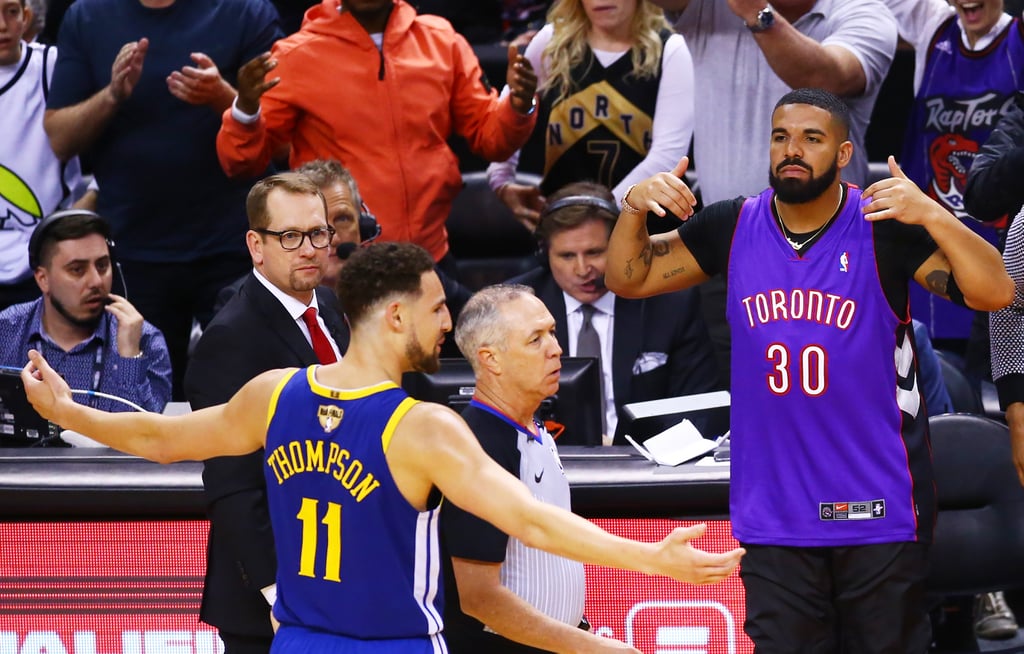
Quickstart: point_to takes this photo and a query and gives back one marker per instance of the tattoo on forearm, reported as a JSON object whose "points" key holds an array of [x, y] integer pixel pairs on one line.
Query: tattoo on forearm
{"points": [[654, 249], [672, 273], [628, 271], [938, 282]]}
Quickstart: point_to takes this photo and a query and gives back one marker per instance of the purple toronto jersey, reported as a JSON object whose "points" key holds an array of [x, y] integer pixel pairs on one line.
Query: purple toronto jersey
{"points": [[829, 431]]}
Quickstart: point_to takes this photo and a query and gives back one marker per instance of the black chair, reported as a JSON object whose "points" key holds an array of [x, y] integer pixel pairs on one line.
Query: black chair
{"points": [[488, 244], [979, 536], [962, 393]]}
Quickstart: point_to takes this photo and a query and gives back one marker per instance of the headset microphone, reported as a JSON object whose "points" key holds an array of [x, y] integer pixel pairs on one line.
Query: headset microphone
{"points": [[345, 250]]}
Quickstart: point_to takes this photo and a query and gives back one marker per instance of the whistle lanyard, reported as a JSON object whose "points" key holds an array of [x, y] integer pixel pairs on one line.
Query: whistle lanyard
{"points": [[96, 376], [533, 434]]}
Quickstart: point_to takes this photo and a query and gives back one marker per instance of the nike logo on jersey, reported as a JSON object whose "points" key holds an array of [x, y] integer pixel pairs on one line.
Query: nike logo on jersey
{"points": [[537, 478]]}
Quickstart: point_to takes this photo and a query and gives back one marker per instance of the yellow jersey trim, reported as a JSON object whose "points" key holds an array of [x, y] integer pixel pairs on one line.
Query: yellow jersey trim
{"points": [[344, 394], [272, 406], [396, 417]]}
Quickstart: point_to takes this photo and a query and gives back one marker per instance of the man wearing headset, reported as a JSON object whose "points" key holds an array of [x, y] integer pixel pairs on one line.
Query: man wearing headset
{"points": [[648, 350], [97, 340]]}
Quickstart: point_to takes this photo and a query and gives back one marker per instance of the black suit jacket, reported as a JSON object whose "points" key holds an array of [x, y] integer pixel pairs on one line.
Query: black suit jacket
{"points": [[668, 324], [251, 334]]}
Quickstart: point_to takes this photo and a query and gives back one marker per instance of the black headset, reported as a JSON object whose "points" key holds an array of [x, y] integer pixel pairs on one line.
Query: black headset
{"points": [[35, 242], [570, 201], [369, 228]]}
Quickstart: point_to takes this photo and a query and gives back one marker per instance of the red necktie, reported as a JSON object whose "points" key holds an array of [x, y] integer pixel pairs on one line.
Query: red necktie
{"points": [[321, 346]]}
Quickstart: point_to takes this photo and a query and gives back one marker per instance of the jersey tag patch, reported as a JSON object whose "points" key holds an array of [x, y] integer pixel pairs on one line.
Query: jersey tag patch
{"points": [[864, 510]]}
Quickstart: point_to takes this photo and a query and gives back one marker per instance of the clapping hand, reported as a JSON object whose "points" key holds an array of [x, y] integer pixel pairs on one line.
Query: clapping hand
{"points": [[201, 84], [251, 82], [127, 69], [521, 80]]}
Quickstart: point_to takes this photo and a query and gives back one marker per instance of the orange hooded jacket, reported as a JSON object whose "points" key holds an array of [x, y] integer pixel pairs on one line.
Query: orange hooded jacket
{"points": [[384, 114]]}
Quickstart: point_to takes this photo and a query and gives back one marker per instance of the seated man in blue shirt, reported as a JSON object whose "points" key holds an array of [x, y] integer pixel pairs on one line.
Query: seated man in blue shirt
{"points": [[97, 340]]}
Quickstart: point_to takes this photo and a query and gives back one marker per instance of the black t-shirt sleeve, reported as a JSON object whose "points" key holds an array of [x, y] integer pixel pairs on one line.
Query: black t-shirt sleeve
{"points": [[708, 235], [900, 250], [467, 536]]}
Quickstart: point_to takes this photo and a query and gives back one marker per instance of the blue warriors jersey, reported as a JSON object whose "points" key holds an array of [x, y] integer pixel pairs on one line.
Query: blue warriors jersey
{"points": [[829, 431], [355, 559]]}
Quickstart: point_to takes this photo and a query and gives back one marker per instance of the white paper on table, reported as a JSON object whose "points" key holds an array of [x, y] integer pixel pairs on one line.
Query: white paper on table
{"points": [[677, 444]]}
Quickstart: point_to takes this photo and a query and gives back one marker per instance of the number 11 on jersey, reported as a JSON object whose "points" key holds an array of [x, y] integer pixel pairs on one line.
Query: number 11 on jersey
{"points": [[309, 515]]}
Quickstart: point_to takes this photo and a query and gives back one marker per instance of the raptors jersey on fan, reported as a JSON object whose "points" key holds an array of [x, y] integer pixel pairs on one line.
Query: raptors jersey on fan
{"points": [[829, 431]]}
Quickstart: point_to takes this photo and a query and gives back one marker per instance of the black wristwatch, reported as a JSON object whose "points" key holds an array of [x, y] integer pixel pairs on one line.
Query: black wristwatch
{"points": [[765, 19]]}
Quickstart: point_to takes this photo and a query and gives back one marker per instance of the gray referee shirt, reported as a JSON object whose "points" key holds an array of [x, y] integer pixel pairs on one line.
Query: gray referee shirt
{"points": [[552, 584]]}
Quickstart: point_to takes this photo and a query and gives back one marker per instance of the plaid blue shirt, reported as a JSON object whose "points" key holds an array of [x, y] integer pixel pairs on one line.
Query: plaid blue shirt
{"points": [[93, 364]]}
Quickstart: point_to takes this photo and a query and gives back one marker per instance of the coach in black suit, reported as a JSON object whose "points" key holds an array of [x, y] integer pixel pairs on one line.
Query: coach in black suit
{"points": [[660, 345], [261, 328]]}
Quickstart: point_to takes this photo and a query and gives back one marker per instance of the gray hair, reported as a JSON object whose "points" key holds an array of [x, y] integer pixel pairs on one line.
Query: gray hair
{"points": [[480, 321], [328, 172]]}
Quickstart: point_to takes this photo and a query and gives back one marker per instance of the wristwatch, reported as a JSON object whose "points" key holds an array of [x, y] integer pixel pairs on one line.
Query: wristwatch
{"points": [[765, 19]]}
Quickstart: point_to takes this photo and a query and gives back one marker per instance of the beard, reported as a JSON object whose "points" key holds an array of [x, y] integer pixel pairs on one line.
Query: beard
{"points": [[89, 321], [420, 359], [795, 191], [300, 285]]}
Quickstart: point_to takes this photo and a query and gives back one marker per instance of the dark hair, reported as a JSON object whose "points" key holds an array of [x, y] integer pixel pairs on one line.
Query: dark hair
{"points": [[573, 205], [291, 182], [379, 271], [65, 225], [821, 99], [327, 172]]}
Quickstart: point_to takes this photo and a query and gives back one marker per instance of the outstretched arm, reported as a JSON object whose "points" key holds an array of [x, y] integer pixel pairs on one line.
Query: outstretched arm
{"points": [[640, 265], [978, 268], [238, 427], [482, 596], [433, 447]]}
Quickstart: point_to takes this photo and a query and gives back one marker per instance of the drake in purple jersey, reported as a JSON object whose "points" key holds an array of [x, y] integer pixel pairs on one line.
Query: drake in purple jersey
{"points": [[817, 347], [831, 488]]}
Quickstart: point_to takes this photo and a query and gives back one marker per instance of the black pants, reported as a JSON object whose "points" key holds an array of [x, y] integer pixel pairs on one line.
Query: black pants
{"points": [[828, 600], [170, 295], [236, 644]]}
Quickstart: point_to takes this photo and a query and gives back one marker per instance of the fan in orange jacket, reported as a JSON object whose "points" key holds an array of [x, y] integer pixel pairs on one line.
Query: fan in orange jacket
{"points": [[384, 111]]}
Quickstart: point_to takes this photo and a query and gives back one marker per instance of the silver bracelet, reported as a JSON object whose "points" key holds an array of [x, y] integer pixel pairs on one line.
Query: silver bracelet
{"points": [[626, 206]]}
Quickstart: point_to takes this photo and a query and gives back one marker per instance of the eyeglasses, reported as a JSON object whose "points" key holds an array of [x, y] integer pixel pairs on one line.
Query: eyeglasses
{"points": [[291, 239]]}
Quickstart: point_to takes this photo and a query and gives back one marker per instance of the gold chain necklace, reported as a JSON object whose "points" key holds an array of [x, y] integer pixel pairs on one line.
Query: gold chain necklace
{"points": [[786, 232]]}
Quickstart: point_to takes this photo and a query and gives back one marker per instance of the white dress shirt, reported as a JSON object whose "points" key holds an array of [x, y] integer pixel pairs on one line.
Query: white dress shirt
{"points": [[603, 322], [295, 309]]}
